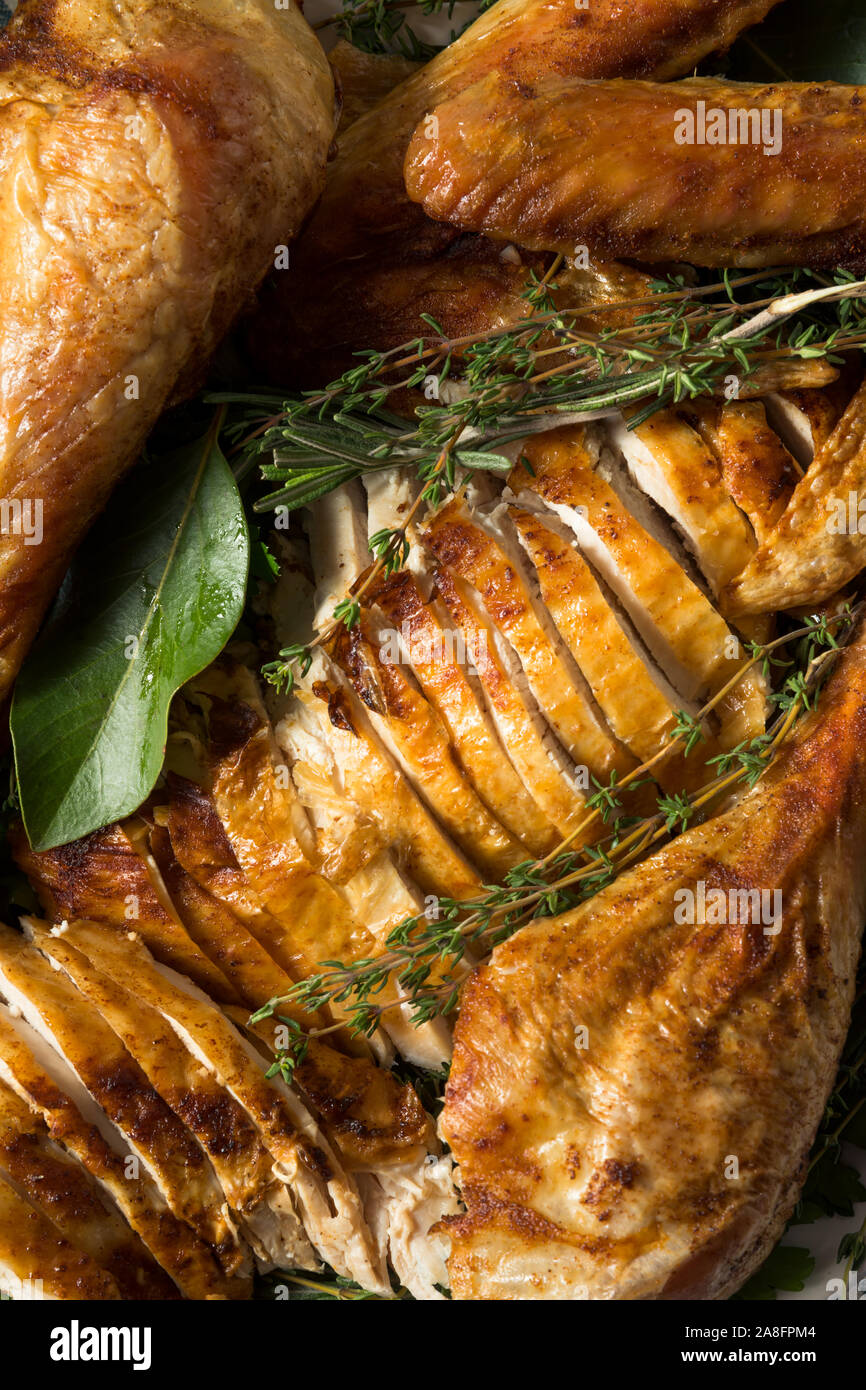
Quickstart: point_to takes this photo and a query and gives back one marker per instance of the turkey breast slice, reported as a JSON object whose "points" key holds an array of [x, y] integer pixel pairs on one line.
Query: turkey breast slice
{"points": [[63, 1191], [163, 1145], [687, 637], [436, 656], [222, 1128], [372, 657], [483, 552], [37, 1262], [670, 462], [48, 1085], [315, 1183]]}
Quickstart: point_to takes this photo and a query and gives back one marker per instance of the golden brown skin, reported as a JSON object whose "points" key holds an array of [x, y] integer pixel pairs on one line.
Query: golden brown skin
{"points": [[372, 1117], [174, 1245], [32, 1250], [369, 263], [58, 1187], [818, 545], [599, 1166], [152, 156], [559, 164], [104, 879]]}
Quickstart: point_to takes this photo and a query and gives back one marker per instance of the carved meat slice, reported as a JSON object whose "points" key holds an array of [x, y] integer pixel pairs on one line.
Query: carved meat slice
{"points": [[819, 543], [684, 633], [411, 728], [806, 418], [222, 1128], [637, 1084], [314, 1180], [64, 1193], [639, 704], [758, 469], [670, 462], [38, 1074], [266, 826], [439, 662], [540, 761], [370, 1115], [37, 1262], [327, 730], [165, 1148], [104, 878], [489, 558]]}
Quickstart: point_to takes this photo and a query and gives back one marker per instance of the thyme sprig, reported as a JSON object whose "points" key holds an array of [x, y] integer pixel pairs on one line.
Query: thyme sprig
{"points": [[491, 390], [384, 26], [427, 954], [495, 388]]}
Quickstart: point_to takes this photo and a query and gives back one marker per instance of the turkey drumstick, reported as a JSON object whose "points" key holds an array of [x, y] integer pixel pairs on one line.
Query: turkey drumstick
{"points": [[154, 154]]}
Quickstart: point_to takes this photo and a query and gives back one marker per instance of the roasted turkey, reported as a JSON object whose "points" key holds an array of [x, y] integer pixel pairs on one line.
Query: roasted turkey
{"points": [[153, 157], [763, 175], [633, 1090], [369, 262], [635, 1086]]}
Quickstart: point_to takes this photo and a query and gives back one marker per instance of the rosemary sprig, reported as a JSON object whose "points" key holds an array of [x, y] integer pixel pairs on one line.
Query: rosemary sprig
{"points": [[492, 390], [496, 388], [425, 953]]}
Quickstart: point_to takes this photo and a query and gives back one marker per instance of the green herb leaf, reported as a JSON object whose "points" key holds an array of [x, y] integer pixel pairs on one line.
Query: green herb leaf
{"points": [[153, 596], [787, 1267]]}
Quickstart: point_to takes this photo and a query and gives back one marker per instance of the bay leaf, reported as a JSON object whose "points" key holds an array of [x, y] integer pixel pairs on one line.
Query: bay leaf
{"points": [[154, 594]]}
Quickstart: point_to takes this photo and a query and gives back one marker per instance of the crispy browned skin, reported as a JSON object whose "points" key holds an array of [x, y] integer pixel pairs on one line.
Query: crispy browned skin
{"points": [[518, 39], [32, 1251], [370, 1115], [153, 153], [186, 1259], [103, 878], [599, 1166], [818, 545], [120, 1087], [59, 1187], [558, 164], [369, 263]]}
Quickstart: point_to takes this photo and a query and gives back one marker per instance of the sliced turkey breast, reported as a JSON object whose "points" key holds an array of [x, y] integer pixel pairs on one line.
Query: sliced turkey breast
{"points": [[105, 879], [673, 466], [47, 1084], [368, 1114], [164, 1147], [315, 1183], [756, 466], [689, 639], [419, 741], [61, 1189], [222, 1128], [434, 650], [542, 764], [638, 703], [486, 556], [37, 1262], [259, 810], [818, 544]]}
